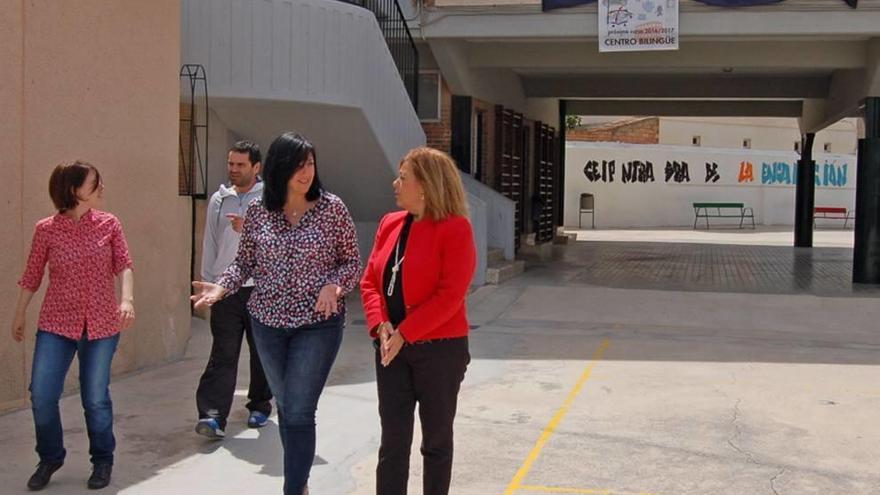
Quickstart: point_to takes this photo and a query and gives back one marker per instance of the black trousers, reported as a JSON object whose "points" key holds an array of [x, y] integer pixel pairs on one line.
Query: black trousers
{"points": [[429, 374], [229, 323]]}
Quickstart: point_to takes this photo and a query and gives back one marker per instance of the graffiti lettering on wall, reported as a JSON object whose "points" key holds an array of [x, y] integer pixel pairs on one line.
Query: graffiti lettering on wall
{"points": [[678, 172], [746, 172], [634, 171], [595, 174], [828, 174], [712, 173], [832, 175], [777, 173], [637, 171]]}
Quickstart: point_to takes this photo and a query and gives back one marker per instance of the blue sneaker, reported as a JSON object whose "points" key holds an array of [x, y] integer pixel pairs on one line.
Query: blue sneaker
{"points": [[257, 420], [209, 427]]}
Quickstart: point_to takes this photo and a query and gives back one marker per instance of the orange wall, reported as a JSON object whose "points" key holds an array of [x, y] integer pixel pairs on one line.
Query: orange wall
{"points": [[96, 80]]}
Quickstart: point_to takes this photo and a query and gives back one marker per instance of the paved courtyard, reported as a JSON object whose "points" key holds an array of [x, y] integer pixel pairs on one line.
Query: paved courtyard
{"points": [[635, 362]]}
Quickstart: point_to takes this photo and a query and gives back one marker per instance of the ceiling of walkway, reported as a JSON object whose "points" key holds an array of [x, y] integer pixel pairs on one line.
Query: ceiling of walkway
{"points": [[815, 63]]}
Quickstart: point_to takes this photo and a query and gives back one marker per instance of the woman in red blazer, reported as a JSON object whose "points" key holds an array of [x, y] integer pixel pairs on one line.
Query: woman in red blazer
{"points": [[413, 290]]}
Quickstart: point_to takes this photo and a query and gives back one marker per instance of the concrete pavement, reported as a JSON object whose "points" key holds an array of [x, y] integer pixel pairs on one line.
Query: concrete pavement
{"points": [[583, 380]]}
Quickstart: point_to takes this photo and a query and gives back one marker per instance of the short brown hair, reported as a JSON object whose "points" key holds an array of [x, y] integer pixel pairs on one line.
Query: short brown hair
{"points": [[66, 179], [440, 179]]}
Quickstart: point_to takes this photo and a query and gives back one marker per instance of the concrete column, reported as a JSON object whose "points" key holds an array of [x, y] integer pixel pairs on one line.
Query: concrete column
{"points": [[560, 166], [805, 194], [866, 252]]}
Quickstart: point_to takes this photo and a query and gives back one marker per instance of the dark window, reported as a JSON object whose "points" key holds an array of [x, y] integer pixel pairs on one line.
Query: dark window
{"points": [[429, 96]]}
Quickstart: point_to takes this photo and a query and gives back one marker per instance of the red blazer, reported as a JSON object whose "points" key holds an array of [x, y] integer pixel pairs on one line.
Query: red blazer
{"points": [[437, 269]]}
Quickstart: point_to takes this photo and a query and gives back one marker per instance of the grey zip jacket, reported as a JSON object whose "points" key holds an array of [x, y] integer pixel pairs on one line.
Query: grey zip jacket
{"points": [[220, 244]]}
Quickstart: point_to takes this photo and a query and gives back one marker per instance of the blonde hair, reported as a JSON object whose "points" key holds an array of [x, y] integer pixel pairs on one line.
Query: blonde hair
{"points": [[440, 179]]}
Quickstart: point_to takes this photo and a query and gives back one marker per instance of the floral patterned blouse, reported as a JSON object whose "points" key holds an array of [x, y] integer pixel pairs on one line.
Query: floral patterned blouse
{"points": [[83, 258], [290, 264]]}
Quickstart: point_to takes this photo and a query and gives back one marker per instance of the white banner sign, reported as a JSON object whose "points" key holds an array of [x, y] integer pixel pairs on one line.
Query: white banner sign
{"points": [[636, 25]]}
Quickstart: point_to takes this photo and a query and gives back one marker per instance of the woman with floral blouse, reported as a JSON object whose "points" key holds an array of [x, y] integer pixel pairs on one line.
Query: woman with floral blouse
{"points": [[300, 246], [86, 250]]}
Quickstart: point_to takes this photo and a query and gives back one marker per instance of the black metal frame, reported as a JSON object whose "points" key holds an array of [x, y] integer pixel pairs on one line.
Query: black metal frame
{"points": [[399, 39], [866, 248], [510, 164], [805, 194], [559, 179], [546, 164], [196, 159]]}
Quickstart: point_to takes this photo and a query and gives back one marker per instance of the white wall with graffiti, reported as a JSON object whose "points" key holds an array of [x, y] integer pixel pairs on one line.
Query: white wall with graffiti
{"points": [[655, 185]]}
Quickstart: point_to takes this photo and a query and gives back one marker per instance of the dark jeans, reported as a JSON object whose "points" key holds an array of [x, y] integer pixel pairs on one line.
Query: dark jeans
{"points": [[429, 373], [229, 322], [52, 357], [297, 363]]}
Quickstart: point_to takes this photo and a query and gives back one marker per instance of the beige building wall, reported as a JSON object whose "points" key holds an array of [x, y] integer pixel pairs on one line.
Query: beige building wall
{"points": [[763, 133], [96, 80]]}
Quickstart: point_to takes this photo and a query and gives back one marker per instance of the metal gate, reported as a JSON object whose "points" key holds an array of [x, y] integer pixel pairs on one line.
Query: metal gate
{"points": [[509, 163], [545, 179]]}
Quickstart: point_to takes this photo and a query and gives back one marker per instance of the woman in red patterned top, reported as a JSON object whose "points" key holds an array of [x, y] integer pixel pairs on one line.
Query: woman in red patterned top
{"points": [[85, 249]]}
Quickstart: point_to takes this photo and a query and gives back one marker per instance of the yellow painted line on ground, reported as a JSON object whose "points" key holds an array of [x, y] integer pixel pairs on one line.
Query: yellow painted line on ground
{"points": [[516, 482]]}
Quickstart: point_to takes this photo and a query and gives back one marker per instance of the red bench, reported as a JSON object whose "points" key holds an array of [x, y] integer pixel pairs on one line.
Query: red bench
{"points": [[832, 212]]}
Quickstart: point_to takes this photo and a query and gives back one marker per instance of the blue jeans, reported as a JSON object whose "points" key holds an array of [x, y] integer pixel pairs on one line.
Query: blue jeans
{"points": [[297, 362], [52, 357]]}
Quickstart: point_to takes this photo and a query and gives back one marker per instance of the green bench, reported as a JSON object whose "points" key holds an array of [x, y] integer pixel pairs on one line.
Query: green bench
{"points": [[709, 210]]}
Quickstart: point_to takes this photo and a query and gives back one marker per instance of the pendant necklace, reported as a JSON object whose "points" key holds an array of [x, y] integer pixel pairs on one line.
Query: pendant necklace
{"points": [[394, 269]]}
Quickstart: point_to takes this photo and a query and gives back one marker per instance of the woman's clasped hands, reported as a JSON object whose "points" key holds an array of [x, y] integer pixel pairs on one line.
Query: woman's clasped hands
{"points": [[390, 342]]}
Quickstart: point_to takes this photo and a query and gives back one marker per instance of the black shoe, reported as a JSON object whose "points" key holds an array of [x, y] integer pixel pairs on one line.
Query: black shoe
{"points": [[100, 476], [43, 474]]}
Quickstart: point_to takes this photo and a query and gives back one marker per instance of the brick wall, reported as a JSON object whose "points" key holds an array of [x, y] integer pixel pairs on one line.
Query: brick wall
{"points": [[439, 134], [636, 131]]}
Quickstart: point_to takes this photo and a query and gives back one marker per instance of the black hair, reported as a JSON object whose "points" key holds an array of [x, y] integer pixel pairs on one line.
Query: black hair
{"points": [[251, 148], [287, 154]]}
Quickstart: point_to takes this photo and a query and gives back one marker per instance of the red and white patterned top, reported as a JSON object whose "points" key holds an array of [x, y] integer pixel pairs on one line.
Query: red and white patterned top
{"points": [[83, 257]]}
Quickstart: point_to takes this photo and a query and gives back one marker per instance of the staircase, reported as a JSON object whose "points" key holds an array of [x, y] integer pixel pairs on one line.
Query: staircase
{"points": [[403, 49], [342, 73], [330, 70]]}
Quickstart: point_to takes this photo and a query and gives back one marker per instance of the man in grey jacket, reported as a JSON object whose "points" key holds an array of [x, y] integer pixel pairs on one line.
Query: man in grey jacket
{"points": [[229, 317]]}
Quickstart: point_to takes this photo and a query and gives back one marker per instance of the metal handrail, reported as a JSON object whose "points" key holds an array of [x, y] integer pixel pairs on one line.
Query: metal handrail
{"points": [[400, 42]]}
